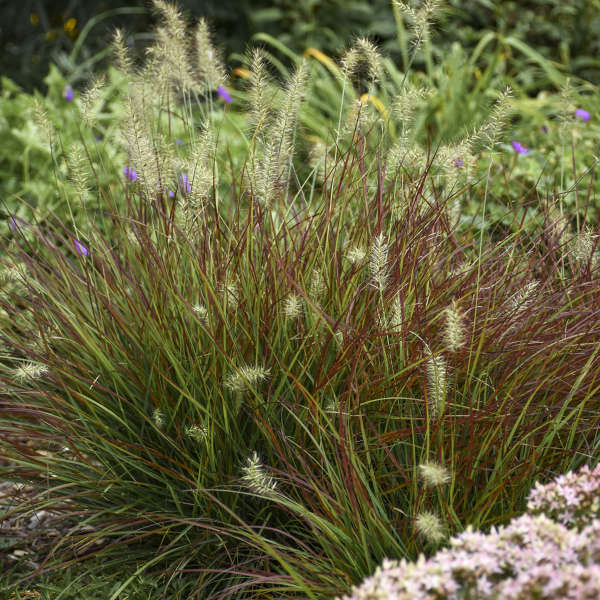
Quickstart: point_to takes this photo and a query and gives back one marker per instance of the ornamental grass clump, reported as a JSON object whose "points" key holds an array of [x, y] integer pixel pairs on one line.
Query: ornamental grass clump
{"points": [[246, 311]]}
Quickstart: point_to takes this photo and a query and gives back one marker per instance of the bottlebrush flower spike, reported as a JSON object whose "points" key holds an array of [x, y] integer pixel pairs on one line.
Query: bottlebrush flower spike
{"points": [[378, 262], [292, 307], [454, 333], [436, 380]]}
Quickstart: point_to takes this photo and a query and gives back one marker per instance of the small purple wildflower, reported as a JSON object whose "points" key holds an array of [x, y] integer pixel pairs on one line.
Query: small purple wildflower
{"points": [[544, 129], [584, 115], [179, 142], [166, 189], [224, 94], [130, 173], [68, 93], [458, 162], [80, 248], [519, 148], [185, 183], [14, 227]]}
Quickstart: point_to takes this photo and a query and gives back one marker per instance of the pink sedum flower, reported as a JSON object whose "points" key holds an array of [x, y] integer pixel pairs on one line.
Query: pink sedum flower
{"points": [[534, 557]]}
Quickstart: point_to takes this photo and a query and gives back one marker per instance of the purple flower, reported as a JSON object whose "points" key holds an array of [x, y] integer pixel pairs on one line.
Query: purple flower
{"points": [[224, 94], [68, 93], [179, 142], [458, 162], [80, 248], [185, 184], [519, 148], [544, 129], [166, 189], [14, 227], [130, 173], [584, 115]]}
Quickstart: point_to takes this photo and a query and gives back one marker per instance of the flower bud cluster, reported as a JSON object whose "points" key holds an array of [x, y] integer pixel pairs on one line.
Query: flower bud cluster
{"points": [[572, 499]]}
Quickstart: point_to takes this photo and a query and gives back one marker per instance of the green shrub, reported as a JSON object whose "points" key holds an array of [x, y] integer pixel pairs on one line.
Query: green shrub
{"points": [[39, 178]]}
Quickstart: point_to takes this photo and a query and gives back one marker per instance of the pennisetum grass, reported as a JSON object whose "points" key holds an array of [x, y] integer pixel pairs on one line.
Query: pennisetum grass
{"points": [[265, 384]]}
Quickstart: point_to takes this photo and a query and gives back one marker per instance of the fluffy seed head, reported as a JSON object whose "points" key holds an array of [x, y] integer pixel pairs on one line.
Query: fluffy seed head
{"points": [[489, 133], [258, 98], [317, 284], [433, 474], [159, 418], [521, 299], [407, 102], [230, 292], [395, 320], [120, 52], [280, 147], [209, 67], [430, 527], [77, 163], [363, 56], [197, 433], [12, 273], [40, 117], [197, 187], [454, 333], [201, 312], [292, 307], [332, 404], [454, 210], [29, 371], [582, 247], [405, 153], [89, 101], [169, 56], [256, 479], [436, 380], [378, 262], [420, 20], [355, 255], [245, 378], [137, 135], [567, 107]]}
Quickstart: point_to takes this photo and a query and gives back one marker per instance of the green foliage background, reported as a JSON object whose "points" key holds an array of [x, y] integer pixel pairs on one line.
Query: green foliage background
{"points": [[567, 33]]}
